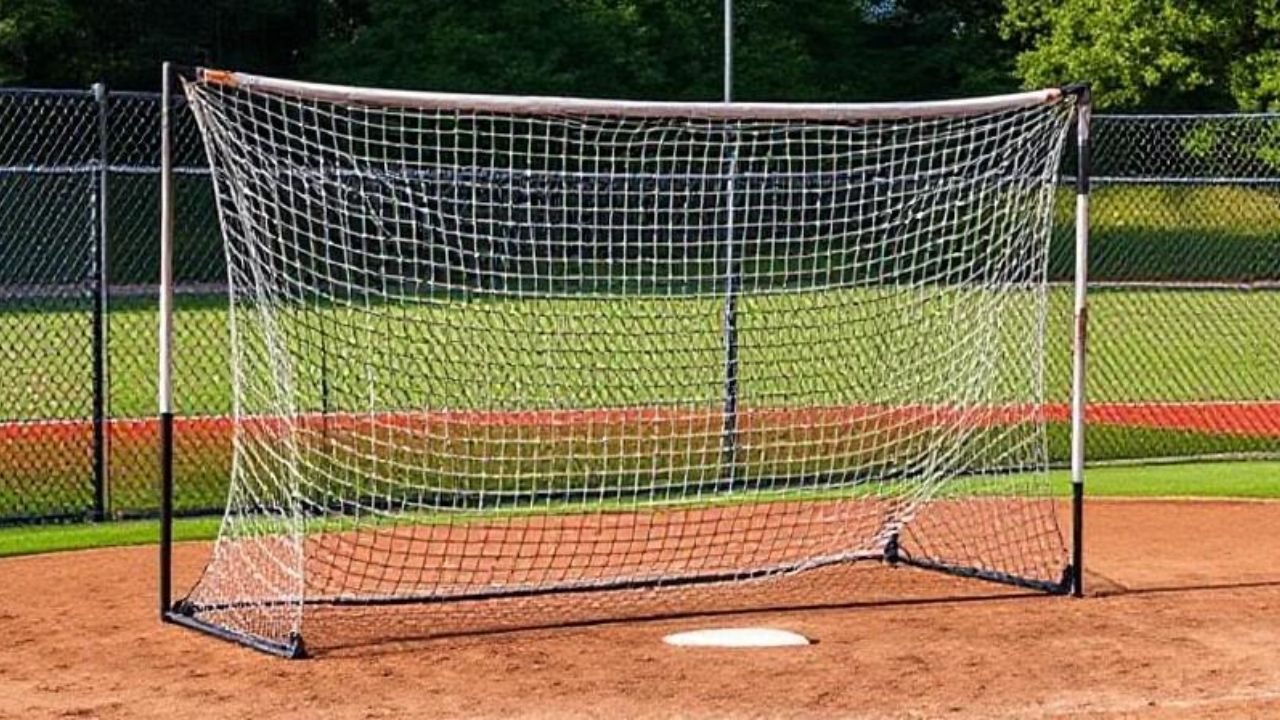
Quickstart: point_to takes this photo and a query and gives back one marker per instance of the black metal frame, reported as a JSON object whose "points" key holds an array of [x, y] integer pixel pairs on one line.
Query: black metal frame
{"points": [[101, 492], [184, 612], [166, 513], [184, 615]]}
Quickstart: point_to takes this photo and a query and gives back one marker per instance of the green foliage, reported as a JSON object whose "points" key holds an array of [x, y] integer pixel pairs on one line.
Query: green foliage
{"points": [[506, 46], [800, 50], [1209, 139], [1152, 53], [1268, 149], [1202, 142], [1255, 75], [28, 28], [1176, 54], [64, 43], [1132, 51]]}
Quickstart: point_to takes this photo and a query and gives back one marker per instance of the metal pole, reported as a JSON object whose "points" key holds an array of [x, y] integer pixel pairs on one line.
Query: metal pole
{"points": [[101, 482], [728, 50], [1084, 109], [732, 278], [165, 380]]}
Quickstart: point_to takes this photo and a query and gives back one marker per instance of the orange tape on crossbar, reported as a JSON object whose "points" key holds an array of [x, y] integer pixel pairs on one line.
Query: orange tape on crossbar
{"points": [[218, 77]]}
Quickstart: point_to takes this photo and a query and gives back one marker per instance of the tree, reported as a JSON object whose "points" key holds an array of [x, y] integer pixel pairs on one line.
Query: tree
{"points": [[502, 46], [1179, 54], [77, 42], [784, 49], [835, 50], [29, 30]]}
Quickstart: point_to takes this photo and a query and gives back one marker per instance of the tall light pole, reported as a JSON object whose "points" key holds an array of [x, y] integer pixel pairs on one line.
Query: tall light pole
{"points": [[728, 50], [732, 277]]}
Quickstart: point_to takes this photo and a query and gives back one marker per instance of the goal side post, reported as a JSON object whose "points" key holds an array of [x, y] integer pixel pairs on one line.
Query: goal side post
{"points": [[164, 384], [181, 613], [1080, 335]]}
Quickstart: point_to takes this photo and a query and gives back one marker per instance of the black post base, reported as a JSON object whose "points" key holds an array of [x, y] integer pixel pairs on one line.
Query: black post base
{"points": [[1077, 539], [1059, 587], [892, 550], [294, 649]]}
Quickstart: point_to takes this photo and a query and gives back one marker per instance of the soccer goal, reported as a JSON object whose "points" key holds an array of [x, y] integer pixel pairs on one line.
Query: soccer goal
{"points": [[486, 349]]}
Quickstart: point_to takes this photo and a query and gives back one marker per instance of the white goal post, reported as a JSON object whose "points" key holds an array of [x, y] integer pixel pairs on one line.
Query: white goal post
{"points": [[490, 350]]}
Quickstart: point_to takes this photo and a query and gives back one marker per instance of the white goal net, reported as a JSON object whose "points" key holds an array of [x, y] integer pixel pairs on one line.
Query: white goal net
{"points": [[486, 347]]}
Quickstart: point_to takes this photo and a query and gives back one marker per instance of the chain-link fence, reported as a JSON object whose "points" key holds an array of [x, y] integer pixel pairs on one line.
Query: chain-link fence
{"points": [[79, 262], [1185, 342], [201, 372], [49, 185], [1184, 287]]}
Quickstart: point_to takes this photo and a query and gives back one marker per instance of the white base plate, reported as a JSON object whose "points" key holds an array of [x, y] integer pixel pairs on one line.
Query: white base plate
{"points": [[736, 638]]}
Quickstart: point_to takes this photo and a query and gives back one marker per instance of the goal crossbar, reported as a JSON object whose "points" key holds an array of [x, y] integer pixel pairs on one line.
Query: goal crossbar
{"points": [[535, 105]]}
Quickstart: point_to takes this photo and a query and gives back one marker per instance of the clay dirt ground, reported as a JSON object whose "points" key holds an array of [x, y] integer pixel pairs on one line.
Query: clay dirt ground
{"points": [[1182, 621]]}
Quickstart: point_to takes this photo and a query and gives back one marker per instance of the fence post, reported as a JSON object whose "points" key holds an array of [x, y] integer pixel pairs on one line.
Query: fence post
{"points": [[101, 479]]}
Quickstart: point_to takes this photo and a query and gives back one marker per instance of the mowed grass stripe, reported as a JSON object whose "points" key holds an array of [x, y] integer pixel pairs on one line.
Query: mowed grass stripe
{"points": [[1207, 480], [1169, 345]]}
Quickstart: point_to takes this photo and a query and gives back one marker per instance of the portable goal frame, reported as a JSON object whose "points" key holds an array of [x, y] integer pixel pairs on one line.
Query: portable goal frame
{"points": [[1072, 579]]}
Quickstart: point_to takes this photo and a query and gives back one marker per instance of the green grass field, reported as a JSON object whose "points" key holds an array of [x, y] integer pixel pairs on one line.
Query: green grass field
{"points": [[1149, 344], [1206, 480], [1191, 345], [1166, 345]]}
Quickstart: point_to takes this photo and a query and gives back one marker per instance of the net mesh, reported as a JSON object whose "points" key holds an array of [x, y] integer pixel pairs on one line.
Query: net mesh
{"points": [[480, 354]]}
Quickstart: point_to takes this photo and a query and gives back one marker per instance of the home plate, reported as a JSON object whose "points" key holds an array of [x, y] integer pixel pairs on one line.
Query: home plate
{"points": [[736, 638]]}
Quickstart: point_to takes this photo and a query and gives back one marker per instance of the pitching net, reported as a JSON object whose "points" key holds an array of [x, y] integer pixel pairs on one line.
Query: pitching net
{"points": [[486, 347]]}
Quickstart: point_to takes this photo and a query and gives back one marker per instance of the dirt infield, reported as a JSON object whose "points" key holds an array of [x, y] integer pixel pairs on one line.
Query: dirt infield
{"points": [[1183, 622]]}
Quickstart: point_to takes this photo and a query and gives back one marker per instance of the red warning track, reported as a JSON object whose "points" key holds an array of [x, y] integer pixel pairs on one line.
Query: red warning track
{"points": [[1251, 419]]}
